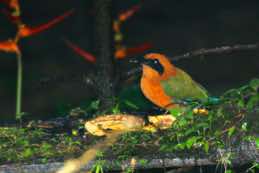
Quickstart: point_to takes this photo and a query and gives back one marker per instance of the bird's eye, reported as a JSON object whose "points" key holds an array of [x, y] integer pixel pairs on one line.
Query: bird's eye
{"points": [[156, 62]]}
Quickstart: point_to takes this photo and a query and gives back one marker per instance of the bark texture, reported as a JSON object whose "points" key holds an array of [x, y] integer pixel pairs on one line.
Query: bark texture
{"points": [[103, 49]]}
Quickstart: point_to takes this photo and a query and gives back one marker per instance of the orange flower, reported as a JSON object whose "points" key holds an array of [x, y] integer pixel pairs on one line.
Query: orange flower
{"points": [[9, 46], [128, 13], [121, 53], [14, 4], [26, 31], [86, 55]]}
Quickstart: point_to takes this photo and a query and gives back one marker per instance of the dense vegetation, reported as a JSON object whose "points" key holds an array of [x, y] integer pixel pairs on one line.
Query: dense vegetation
{"points": [[230, 121]]}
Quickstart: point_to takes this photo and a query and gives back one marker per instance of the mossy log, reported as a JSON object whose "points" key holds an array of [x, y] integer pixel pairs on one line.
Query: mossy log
{"points": [[245, 153]]}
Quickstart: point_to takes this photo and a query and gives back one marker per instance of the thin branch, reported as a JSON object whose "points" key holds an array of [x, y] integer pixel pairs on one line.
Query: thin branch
{"points": [[201, 52], [217, 50]]}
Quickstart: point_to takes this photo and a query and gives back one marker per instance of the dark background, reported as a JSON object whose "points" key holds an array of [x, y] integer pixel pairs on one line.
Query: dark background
{"points": [[173, 26]]}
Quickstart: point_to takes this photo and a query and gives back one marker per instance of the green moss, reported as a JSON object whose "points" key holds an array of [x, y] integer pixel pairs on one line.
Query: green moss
{"points": [[27, 145], [232, 117]]}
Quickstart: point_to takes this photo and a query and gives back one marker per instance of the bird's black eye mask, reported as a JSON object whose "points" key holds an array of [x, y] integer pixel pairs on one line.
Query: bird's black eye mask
{"points": [[153, 63]]}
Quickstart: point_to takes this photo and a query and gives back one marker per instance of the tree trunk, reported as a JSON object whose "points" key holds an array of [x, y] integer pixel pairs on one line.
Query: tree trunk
{"points": [[104, 52]]}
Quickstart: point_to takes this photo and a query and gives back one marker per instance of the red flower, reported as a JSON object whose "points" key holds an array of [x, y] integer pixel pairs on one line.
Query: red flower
{"points": [[125, 52], [86, 55], [128, 13], [26, 31]]}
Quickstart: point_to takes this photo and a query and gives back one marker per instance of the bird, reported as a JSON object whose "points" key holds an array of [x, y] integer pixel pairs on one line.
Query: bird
{"points": [[166, 85]]}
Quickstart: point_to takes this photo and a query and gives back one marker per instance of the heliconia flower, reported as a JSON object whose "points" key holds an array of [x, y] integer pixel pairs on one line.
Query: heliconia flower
{"points": [[26, 31], [86, 55], [120, 53], [9, 46], [128, 13]]}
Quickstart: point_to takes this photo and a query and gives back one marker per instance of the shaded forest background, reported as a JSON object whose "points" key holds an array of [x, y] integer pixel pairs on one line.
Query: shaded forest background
{"points": [[172, 26]]}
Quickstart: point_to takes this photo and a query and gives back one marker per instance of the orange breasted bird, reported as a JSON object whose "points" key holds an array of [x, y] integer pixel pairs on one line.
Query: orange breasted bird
{"points": [[166, 85]]}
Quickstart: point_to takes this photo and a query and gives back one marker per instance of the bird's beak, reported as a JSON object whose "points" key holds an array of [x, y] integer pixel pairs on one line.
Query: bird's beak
{"points": [[137, 60]]}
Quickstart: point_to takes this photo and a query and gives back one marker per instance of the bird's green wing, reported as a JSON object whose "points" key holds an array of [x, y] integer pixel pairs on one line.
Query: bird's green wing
{"points": [[181, 86]]}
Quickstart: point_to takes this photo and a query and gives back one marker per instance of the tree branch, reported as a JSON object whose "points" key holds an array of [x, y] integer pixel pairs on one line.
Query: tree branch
{"points": [[201, 52], [217, 50], [104, 79], [244, 154]]}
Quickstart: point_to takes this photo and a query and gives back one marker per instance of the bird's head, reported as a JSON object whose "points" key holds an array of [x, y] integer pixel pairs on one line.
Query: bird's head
{"points": [[151, 64], [154, 64]]}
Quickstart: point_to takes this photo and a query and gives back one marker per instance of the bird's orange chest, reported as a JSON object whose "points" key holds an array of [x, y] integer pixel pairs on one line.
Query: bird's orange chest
{"points": [[153, 90], [151, 82]]}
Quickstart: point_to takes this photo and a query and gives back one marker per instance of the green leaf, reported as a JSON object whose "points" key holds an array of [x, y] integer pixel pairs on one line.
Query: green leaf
{"points": [[182, 122], [202, 125], [231, 131], [241, 103], [257, 142], [253, 101], [244, 126], [231, 93], [131, 105], [116, 109], [101, 169], [228, 171], [27, 153], [45, 147], [177, 111], [254, 84], [143, 162], [189, 131], [97, 170], [189, 143], [180, 146], [99, 154], [206, 146]]}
